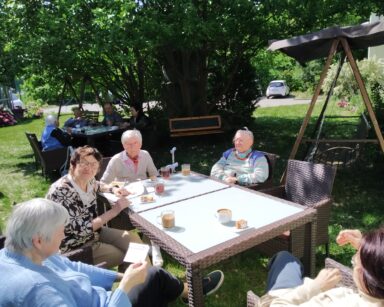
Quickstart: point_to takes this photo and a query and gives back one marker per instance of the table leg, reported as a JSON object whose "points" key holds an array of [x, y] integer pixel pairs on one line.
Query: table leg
{"points": [[309, 259], [195, 287]]}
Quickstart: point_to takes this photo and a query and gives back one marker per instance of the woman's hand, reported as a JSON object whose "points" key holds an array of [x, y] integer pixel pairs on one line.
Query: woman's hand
{"points": [[134, 275], [121, 204], [120, 191], [351, 236], [328, 279]]}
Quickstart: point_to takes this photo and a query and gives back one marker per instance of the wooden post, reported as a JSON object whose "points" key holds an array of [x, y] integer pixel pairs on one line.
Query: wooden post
{"points": [[312, 104], [363, 92]]}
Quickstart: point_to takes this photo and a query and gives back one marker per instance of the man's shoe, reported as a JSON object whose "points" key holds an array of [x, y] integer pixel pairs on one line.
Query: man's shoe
{"points": [[211, 283]]}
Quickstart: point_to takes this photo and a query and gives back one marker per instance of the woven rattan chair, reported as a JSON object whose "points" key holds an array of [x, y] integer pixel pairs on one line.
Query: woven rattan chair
{"points": [[271, 158], [310, 185], [346, 281], [51, 160]]}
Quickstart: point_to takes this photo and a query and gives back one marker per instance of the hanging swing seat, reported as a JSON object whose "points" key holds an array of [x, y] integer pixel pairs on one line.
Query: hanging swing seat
{"points": [[343, 153]]}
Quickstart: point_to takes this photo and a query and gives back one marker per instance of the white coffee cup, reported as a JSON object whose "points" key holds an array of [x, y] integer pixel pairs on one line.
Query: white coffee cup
{"points": [[224, 215]]}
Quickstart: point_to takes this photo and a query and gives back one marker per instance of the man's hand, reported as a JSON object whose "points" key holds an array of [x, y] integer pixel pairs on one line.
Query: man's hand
{"points": [[351, 236], [328, 279], [230, 179], [135, 274]]}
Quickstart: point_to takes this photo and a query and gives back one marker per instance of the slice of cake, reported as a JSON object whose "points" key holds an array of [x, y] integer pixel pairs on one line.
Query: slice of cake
{"points": [[241, 224], [146, 198]]}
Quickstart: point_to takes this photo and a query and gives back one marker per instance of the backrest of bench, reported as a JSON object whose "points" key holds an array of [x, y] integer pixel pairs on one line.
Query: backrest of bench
{"points": [[194, 123]]}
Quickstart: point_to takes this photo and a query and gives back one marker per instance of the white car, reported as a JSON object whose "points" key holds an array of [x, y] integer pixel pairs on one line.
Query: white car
{"points": [[277, 88]]}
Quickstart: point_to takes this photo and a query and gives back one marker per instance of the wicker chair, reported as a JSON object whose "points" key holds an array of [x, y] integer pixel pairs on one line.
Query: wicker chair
{"points": [[310, 185], [346, 281], [50, 160], [271, 158]]}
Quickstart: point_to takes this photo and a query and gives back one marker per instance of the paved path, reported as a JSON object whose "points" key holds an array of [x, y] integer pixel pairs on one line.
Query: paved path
{"points": [[68, 108], [275, 102]]}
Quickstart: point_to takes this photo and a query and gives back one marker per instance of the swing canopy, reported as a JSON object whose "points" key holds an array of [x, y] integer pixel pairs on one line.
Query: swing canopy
{"points": [[316, 45]]}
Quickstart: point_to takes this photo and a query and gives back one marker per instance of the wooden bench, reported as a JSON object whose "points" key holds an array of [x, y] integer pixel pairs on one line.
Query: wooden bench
{"points": [[200, 125]]}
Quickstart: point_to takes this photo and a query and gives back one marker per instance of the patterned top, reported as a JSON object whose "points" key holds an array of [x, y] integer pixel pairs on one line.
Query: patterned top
{"points": [[79, 229], [246, 170]]}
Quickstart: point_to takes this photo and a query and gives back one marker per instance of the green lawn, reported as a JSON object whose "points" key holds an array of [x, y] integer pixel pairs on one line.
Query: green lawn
{"points": [[358, 192]]}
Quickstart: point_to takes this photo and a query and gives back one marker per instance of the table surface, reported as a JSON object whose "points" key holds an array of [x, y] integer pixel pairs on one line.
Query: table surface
{"points": [[195, 217], [176, 189], [198, 240]]}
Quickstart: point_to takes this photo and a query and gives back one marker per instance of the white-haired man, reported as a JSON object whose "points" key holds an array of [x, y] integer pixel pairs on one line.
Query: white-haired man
{"points": [[52, 136], [241, 164]]}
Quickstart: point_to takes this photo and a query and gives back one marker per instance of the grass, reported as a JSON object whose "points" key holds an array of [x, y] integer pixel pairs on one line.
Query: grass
{"points": [[358, 191]]}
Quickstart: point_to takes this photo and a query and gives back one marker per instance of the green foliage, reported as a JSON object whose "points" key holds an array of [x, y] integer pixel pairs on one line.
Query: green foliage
{"points": [[372, 72]]}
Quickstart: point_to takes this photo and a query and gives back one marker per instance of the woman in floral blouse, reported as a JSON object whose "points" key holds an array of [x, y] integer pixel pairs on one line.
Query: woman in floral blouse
{"points": [[77, 193]]}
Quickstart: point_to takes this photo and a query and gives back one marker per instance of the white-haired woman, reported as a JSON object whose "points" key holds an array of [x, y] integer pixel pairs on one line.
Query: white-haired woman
{"points": [[33, 274], [241, 164], [52, 136], [132, 163], [77, 192]]}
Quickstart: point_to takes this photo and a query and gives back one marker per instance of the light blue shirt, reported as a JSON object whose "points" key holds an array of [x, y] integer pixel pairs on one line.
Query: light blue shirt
{"points": [[58, 282]]}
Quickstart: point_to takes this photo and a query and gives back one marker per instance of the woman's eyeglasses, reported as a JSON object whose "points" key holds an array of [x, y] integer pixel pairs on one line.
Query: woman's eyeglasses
{"points": [[84, 163]]}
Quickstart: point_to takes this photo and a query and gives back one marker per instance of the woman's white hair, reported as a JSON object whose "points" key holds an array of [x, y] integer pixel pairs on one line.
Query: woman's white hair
{"points": [[130, 134], [38, 216], [50, 119]]}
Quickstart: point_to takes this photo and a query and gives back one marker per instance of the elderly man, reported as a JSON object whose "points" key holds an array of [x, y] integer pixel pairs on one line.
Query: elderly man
{"points": [[77, 119], [53, 137], [111, 117], [242, 164], [131, 164]]}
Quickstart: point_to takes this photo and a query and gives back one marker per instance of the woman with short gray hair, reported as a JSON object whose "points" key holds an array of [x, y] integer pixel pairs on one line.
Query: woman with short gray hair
{"points": [[132, 163]]}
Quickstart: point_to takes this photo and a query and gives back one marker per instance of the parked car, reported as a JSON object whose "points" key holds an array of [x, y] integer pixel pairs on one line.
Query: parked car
{"points": [[277, 88]]}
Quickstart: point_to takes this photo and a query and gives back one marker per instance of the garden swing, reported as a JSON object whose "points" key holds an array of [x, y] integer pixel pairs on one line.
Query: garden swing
{"points": [[324, 43]]}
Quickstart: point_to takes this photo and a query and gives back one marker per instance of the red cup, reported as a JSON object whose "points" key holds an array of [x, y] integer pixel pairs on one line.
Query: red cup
{"points": [[159, 188]]}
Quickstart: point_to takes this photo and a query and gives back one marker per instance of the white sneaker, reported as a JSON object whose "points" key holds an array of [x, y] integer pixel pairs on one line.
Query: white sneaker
{"points": [[157, 259]]}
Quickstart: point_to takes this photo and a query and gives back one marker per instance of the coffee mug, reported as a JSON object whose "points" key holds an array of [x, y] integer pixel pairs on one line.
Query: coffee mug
{"points": [[167, 218], [224, 215]]}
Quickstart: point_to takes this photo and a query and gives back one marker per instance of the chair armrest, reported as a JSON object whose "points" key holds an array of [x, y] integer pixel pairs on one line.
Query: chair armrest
{"points": [[278, 191], [346, 273], [252, 299]]}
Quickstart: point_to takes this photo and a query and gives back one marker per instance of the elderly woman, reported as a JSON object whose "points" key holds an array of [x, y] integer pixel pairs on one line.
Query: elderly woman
{"points": [[52, 136], [242, 164], [131, 164], [76, 191], [33, 274], [287, 287]]}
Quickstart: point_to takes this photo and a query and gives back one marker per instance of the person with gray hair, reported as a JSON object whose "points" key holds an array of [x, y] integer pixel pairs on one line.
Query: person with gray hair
{"points": [[132, 163], [53, 137], [34, 274], [241, 164]]}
